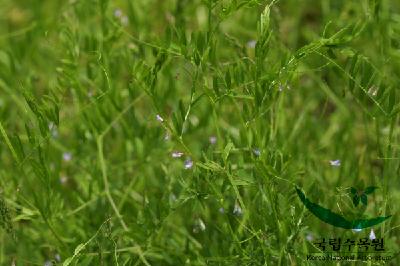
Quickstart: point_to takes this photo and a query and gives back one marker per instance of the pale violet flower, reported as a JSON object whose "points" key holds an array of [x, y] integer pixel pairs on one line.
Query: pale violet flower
{"points": [[373, 91], [176, 154], [159, 118], [117, 13], [237, 210], [309, 237], [53, 129], [251, 44], [51, 126], [125, 20], [188, 164], [221, 210], [57, 257], [213, 140], [199, 226], [257, 152], [283, 87], [172, 198], [48, 263], [63, 179], [335, 163], [67, 156], [372, 235], [167, 136], [194, 120]]}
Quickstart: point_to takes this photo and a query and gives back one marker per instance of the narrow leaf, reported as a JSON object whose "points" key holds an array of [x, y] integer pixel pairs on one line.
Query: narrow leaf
{"points": [[370, 190], [364, 199], [356, 200]]}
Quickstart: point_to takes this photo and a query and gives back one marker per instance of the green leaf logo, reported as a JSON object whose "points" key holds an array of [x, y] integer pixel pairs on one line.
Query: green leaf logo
{"points": [[338, 220], [361, 195]]}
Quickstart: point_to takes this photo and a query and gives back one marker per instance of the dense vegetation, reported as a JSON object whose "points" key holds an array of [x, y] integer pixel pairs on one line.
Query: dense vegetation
{"points": [[174, 132]]}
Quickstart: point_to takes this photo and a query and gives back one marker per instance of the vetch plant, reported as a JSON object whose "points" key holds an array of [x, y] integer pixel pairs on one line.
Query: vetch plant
{"points": [[124, 122], [159, 118], [176, 154], [67, 156], [188, 164], [372, 235], [335, 163]]}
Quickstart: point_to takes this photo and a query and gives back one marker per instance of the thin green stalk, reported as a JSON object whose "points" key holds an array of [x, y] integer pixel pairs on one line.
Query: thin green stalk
{"points": [[8, 142], [106, 184]]}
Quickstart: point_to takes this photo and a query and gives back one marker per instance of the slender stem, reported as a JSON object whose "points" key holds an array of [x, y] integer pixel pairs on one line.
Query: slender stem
{"points": [[105, 181], [8, 142]]}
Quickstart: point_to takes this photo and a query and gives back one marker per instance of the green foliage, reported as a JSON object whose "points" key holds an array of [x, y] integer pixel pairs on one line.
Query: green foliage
{"points": [[172, 132]]}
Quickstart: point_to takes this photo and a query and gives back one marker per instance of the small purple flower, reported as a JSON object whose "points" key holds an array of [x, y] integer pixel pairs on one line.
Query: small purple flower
{"points": [[335, 163], [213, 140], [67, 156], [257, 152], [51, 126], [172, 197], [176, 154], [57, 257], [117, 13], [221, 210], [159, 118], [251, 44], [167, 136], [188, 164], [372, 235], [237, 210], [53, 129], [198, 226], [63, 179], [373, 91], [48, 263], [125, 20], [309, 237]]}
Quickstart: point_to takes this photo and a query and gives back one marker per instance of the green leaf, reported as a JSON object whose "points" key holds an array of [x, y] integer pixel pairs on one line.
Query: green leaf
{"points": [[264, 20], [227, 150], [196, 58], [352, 71], [392, 100], [177, 121], [19, 148], [228, 80], [353, 191], [31, 137], [370, 190], [78, 249], [44, 128], [356, 200], [182, 110], [364, 199], [216, 85]]}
